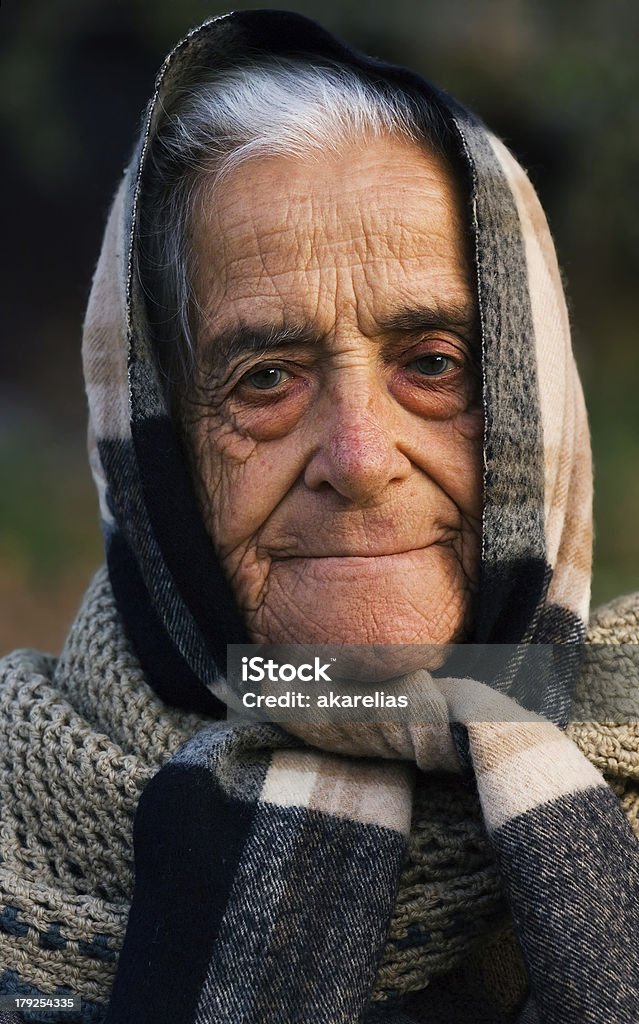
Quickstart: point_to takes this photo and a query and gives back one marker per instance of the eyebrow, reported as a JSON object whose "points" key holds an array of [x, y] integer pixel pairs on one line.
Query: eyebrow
{"points": [[451, 316], [223, 347]]}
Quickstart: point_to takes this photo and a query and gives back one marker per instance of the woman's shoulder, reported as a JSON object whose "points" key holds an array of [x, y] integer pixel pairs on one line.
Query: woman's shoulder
{"points": [[608, 686], [616, 622], [21, 670], [605, 715]]}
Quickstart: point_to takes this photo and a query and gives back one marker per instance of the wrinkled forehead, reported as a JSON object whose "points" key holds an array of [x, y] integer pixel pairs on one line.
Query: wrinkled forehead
{"points": [[374, 227]]}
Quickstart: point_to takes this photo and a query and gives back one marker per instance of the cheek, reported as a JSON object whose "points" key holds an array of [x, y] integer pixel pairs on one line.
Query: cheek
{"points": [[270, 417], [450, 452], [468, 428], [240, 481]]}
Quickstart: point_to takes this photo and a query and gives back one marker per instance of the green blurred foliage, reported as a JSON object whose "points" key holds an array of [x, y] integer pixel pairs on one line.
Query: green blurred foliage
{"points": [[48, 515]]}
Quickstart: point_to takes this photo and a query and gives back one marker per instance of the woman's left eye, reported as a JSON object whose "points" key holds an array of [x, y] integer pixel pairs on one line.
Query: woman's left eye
{"points": [[266, 378], [433, 365]]}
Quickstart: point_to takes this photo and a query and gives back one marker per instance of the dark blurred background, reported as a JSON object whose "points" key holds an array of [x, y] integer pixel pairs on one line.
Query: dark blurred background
{"points": [[557, 80]]}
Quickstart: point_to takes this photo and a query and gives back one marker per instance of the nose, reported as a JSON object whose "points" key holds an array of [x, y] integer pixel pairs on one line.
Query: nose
{"points": [[359, 453]]}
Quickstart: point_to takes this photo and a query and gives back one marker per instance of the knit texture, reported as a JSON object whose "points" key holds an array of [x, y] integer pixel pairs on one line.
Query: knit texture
{"points": [[81, 737], [605, 723]]}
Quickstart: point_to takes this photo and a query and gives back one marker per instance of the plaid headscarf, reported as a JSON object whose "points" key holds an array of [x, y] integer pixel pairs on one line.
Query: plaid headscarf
{"points": [[266, 871]]}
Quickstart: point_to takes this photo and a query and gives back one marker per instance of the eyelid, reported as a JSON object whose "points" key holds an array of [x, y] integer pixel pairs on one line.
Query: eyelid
{"points": [[435, 355], [261, 367], [436, 345], [450, 371]]}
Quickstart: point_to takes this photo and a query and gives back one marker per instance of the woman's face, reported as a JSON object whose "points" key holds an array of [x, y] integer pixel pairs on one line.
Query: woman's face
{"points": [[334, 422]]}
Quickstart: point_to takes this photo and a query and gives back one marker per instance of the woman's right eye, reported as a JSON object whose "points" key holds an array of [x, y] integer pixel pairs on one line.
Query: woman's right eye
{"points": [[266, 378], [434, 364]]}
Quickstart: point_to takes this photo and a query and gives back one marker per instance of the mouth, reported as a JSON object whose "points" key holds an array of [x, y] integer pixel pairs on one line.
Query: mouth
{"points": [[366, 556], [382, 567]]}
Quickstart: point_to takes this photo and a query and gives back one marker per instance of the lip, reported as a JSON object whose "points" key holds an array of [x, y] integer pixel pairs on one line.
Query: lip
{"points": [[360, 556], [387, 566]]}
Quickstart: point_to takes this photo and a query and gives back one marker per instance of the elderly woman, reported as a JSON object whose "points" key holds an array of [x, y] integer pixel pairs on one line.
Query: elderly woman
{"points": [[332, 400]]}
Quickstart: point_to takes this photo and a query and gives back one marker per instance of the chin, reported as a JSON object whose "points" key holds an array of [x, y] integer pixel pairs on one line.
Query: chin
{"points": [[393, 624]]}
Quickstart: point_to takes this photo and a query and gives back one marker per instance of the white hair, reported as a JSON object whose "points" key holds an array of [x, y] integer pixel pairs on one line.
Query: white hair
{"points": [[274, 107]]}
